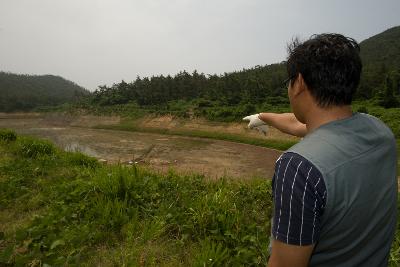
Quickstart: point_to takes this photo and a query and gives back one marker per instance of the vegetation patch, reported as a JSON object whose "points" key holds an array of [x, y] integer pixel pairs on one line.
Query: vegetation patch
{"points": [[32, 147], [192, 220], [88, 214], [7, 135], [80, 159]]}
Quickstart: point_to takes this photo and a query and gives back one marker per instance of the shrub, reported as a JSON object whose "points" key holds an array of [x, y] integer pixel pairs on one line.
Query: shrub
{"points": [[7, 135], [363, 109], [80, 159], [245, 110], [32, 148]]}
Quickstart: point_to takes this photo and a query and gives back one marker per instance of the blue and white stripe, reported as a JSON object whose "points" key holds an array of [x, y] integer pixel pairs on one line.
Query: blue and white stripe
{"points": [[299, 200]]}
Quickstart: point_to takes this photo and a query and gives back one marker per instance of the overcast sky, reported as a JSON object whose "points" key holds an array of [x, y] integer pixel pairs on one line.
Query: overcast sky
{"points": [[96, 42]]}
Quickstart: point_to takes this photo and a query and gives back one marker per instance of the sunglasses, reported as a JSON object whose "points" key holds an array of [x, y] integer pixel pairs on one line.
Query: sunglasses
{"points": [[286, 82]]}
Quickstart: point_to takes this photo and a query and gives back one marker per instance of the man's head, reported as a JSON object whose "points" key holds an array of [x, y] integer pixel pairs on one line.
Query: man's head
{"points": [[328, 65]]}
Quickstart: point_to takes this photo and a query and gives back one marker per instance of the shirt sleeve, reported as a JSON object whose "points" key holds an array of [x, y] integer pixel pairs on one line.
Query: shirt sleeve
{"points": [[299, 195]]}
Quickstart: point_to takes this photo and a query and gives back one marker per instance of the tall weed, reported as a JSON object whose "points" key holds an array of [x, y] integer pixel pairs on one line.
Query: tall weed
{"points": [[7, 135], [211, 254], [80, 159], [32, 148]]}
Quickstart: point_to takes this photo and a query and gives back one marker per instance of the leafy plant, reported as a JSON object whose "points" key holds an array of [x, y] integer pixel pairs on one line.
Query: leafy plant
{"points": [[32, 148], [7, 135], [211, 254], [80, 159]]}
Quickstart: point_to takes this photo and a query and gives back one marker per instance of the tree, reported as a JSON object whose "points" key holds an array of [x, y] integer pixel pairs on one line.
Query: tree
{"points": [[389, 99]]}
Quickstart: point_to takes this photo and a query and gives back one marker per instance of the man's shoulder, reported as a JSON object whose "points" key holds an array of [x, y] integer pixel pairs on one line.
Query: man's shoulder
{"points": [[291, 155], [341, 141], [378, 124], [297, 162]]}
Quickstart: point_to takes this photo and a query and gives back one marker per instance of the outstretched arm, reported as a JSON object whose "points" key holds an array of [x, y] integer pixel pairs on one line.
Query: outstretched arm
{"points": [[285, 122]]}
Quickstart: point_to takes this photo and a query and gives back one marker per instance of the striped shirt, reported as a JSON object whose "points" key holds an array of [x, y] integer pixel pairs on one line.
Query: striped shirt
{"points": [[299, 195]]}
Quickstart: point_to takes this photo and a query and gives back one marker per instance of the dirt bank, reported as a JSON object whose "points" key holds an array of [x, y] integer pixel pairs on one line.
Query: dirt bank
{"points": [[169, 122]]}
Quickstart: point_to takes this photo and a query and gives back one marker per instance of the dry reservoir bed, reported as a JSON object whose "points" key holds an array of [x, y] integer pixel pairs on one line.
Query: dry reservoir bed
{"points": [[213, 158]]}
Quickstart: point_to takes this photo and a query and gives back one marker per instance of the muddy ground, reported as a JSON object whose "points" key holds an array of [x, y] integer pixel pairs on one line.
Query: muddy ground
{"points": [[213, 158]]}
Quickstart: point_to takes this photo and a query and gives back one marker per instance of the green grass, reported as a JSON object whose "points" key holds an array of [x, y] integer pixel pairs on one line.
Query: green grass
{"points": [[390, 116], [7, 135], [279, 144], [60, 208]]}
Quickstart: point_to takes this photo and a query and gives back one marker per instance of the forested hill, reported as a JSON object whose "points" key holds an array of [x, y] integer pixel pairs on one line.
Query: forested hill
{"points": [[381, 61], [251, 89], [383, 48], [25, 92], [229, 95]]}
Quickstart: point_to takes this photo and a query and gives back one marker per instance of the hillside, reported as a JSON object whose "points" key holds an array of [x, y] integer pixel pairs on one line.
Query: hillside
{"points": [[25, 92], [383, 48], [228, 96], [231, 95], [381, 59]]}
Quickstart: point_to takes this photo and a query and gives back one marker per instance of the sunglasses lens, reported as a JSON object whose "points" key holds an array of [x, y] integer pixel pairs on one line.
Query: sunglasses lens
{"points": [[286, 83]]}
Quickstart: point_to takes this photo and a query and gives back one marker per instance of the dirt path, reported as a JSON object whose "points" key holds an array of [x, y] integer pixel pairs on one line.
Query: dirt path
{"points": [[213, 158]]}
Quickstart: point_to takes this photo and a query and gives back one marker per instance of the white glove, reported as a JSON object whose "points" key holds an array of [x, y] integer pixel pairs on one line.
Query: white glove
{"points": [[256, 123], [262, 129]]}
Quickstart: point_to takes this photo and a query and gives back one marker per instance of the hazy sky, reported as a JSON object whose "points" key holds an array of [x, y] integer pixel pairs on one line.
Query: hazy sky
{"points": [[95, 42]]}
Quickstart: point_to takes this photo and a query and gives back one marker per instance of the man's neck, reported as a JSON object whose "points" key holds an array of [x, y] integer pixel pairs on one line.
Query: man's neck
{"points": [[326, 115]]}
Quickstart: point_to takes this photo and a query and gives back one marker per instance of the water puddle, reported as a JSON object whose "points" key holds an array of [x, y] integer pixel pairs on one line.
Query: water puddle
{"points": [[77, 147]]}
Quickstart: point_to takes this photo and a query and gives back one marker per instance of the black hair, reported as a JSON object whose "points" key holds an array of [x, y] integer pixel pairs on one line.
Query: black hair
{"points": [[330, 65]]}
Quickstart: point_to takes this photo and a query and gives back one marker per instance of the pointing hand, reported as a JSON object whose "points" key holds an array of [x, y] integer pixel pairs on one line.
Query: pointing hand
{"points": [[254, 121], [262, 129]]}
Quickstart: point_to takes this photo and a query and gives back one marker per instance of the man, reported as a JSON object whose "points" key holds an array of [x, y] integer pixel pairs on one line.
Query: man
{"points": [[335, 192]]}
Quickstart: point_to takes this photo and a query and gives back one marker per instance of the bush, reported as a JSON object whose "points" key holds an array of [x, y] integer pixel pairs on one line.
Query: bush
{"points": [[362, 109], [205, 103], [79, 159], [7, 135], [245, 110], [33, 148]]}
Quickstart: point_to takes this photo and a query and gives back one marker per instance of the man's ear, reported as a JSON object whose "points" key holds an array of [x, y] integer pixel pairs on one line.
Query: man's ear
{"points": [[299, 85]]}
